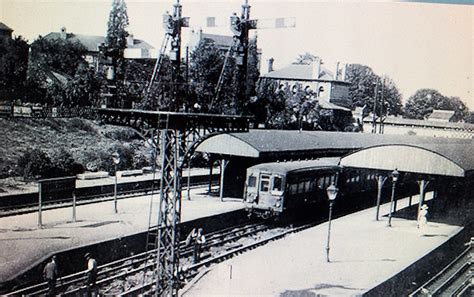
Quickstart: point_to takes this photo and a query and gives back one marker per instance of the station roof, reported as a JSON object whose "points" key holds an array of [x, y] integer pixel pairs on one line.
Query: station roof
{"points": [[304, 144], [448, 159]]}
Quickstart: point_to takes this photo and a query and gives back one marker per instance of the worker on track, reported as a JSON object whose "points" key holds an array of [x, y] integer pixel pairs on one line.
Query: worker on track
{"points": [[50, 275], [197, 239]]}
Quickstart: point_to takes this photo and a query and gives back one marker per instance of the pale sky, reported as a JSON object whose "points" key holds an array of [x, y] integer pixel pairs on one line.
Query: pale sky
{"points": [[418, 45]]}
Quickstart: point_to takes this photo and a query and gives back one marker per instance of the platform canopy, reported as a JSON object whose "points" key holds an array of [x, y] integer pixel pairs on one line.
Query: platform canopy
{"points": [[305, 144], [447, 159]]}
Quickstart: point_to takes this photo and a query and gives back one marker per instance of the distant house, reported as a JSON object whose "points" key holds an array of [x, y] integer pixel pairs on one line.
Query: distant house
{"points": [[5, 32], [441, 115], [222, 42], [136, 48], [326, 85]]}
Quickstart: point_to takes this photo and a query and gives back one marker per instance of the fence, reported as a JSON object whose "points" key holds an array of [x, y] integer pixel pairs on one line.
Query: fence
{"points": [[47, 112]]}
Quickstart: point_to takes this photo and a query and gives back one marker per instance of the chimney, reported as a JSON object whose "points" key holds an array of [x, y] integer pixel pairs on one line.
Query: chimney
{"points": [[130, 40], [63, 33], [270, 64], [344, 71], [336, 76], [316, 68]]}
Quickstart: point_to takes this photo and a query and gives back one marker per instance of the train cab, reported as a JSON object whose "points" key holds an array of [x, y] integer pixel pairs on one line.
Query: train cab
{"points": [[264, 191], [272, 188]]}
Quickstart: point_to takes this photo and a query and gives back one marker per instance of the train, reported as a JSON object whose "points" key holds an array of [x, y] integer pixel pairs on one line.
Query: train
{"points": [[277, 188]]}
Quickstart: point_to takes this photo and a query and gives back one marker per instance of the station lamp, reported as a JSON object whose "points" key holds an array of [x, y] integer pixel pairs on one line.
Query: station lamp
{"points": [[116, 160], [395, 175], [332, 191]]}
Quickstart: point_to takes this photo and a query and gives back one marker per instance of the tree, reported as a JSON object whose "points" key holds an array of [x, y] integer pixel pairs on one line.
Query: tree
{"points": [[421, 104], [204, 70], [365, 83], [34, 163], [13, 63], [58, 55], [84, 88], [253, 72], [116, 40]]}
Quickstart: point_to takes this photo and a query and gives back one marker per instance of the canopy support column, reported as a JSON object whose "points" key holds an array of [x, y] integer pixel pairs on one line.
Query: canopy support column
{"points": [[211, 165], [380, 181], [422, 184], [221, 185]]}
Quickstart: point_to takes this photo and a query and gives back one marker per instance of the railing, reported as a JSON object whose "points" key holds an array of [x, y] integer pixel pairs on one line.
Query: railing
{"points": [[47, 112]]}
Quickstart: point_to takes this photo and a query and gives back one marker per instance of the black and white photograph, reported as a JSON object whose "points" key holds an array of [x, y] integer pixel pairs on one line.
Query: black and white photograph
{"points": [[236, 148]]}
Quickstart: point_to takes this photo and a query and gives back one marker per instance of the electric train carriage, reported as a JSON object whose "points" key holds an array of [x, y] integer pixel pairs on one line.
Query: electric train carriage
{"points": [[277, 188]]}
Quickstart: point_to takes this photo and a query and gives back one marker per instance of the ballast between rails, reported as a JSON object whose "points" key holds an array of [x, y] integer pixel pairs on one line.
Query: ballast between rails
{"points": [[111, 271]]}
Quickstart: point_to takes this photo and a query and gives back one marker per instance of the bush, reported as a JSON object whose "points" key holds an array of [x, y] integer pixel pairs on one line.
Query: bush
{"points": [[62, 163], [34, 164], [81, 124]]}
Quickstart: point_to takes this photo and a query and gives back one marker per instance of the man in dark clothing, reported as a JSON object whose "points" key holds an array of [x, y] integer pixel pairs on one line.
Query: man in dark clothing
{"points": [[91, 273], [197, 239], [50, 275]]}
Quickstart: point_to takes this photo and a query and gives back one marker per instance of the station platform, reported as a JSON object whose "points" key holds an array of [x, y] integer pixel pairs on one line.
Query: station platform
{"points": [[32, 187], [363, 254], [23, 243]]}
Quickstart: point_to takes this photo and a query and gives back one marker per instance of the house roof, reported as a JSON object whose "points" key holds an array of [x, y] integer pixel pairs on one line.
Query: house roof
{"points": [[328, 105], [91, 42], [444, 115], [301, 72], [220, 40], [4, 27]]}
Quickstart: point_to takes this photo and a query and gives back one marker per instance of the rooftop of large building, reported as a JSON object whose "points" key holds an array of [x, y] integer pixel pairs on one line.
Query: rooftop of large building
{"points": [[92, 42]]}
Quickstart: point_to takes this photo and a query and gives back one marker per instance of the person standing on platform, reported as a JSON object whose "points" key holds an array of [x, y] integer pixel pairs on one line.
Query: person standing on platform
{"points": [[50, 275], [422, 220], [196, 238], [91, 273]]}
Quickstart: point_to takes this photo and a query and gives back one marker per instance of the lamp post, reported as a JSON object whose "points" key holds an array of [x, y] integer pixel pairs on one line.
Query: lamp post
{"points": [[116, 159], [395, 175], [332, 193]]}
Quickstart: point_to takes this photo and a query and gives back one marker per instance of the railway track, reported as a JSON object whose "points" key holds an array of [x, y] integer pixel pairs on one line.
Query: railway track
{"points": [[62, 203], [454, 280], [194, 271], [135, 266]]}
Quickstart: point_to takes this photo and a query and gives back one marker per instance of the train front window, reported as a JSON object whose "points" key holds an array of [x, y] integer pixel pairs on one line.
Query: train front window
{"points": [[264, 183], [277, 186], [252, 181]]}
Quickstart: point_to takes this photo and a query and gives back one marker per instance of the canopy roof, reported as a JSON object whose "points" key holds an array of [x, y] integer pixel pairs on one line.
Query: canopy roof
{"points": [[305, 144], [449, 159]]}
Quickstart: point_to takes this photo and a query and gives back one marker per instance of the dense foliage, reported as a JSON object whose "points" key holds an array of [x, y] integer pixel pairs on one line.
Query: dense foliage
{"points": [[366, 86], [421, 104], [13, 63], [116, 40]]}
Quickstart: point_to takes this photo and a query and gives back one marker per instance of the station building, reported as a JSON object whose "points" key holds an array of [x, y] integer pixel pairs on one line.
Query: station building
{"points": [[136, 48], [327, 85]]}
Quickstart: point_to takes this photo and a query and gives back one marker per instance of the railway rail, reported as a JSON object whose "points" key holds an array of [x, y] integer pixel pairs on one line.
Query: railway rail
{"points": [[103, 194], [118, 270], [133, 275], [454, 280]]}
